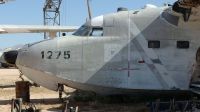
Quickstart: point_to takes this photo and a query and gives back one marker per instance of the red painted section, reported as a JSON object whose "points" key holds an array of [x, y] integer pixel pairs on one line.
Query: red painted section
{"points": [[128, 68]]}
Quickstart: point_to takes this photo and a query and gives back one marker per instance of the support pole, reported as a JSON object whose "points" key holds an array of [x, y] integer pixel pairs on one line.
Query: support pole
{"points": [[20, 104], [171, 105], [65, 106], [185, 108], [61, 89], [157, 105], [76, 109], [12, 105]]}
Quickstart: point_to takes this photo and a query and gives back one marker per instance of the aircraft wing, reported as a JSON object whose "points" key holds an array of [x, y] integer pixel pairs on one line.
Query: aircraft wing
{"points": [[1, 53], [3, 1], [6, 0], [35, 29], [189, 10]]}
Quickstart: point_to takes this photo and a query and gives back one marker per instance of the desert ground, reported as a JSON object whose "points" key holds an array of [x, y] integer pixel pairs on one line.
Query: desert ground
{"points": [[48, 100]]}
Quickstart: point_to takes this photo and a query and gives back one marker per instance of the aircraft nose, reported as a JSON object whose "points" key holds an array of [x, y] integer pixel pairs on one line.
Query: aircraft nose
{"points": [[10, 56]]}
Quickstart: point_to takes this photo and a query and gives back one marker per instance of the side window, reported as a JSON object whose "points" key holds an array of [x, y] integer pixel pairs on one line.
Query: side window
{"points": [[183, 44], [97, 32], [153, 44]]}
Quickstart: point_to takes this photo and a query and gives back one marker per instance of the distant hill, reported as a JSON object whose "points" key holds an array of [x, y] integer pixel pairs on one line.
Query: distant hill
{"points": [[16, 47]]}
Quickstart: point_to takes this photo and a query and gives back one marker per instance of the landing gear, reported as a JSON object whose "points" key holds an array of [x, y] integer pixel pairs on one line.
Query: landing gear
{"points": [[60, 89], [20, 76]]}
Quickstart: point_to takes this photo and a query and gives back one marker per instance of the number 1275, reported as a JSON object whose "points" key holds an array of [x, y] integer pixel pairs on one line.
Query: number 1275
{"points": [[50, 54]]}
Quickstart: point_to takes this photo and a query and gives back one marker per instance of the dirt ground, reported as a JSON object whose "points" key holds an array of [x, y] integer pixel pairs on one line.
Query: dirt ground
{"points": [[48, 100]]}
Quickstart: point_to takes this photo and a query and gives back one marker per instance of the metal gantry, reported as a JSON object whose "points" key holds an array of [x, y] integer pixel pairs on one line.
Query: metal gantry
{"points": [[51, 15]]}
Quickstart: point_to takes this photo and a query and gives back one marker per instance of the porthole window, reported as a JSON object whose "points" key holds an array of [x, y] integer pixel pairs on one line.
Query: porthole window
{"points": [[153, 44], [183, 44]]}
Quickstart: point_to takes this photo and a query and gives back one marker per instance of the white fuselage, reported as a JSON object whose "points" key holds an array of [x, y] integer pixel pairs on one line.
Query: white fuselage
{"points": [[148, 49]]}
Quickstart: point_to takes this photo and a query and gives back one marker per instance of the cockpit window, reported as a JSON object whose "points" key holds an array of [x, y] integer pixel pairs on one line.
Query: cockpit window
{"points": [[88, 31], [80, 30], [97, 32]]}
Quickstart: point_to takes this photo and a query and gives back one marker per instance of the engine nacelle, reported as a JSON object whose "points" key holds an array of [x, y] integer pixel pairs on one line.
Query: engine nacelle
{"points": [[189, 10], [185, 1], [178, 10], [189, 3]]}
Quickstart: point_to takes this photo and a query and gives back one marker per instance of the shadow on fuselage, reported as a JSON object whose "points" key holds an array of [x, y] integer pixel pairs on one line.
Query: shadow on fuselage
{"points": [[169, 56]]}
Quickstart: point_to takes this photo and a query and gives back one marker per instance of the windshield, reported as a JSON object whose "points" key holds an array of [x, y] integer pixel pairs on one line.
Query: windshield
{"points": [[77, 32], [82, 31], [88, 31]]}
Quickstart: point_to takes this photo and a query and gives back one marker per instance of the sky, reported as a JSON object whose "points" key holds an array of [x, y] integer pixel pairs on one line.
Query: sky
{"points": [[73, 13]]}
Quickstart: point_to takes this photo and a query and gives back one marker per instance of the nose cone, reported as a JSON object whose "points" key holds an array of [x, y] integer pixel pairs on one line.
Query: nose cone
{"points": [[10, 56]]}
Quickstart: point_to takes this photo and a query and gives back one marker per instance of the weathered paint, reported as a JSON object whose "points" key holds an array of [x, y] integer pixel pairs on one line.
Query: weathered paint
{"points": [[120, 60]]}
